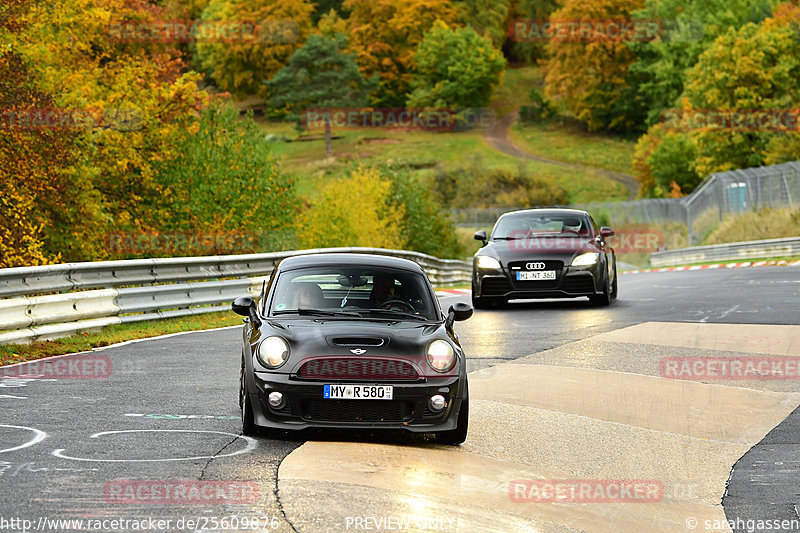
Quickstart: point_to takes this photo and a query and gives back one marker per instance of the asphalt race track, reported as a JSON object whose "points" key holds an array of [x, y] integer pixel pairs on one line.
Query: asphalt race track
{"points": [[563, 395]]}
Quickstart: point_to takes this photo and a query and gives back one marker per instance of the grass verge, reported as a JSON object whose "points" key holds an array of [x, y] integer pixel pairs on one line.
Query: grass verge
{"points": [[17, 353]]}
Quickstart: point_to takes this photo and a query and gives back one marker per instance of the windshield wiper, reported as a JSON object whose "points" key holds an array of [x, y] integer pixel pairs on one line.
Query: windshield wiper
{"points": [[316, 312], [396, 314]]}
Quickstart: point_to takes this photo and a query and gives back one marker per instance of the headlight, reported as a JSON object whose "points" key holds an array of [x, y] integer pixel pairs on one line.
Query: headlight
{"points": [[272, 352], [586, 259], [487, 262], [441, 356]]}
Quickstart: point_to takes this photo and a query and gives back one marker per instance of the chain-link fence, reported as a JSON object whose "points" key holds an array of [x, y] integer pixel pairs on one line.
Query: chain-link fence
{"points": [[720, 194]]}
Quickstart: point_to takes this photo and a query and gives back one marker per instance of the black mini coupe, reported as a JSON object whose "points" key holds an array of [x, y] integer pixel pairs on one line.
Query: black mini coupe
{"points": [[352, 341]]}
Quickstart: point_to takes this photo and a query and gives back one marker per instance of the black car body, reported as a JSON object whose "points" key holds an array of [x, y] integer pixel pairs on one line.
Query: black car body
{"points": [[334, 336], [544, 253]]}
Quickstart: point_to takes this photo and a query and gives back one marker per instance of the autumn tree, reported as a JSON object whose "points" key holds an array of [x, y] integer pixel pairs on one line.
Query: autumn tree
{"points": [[384, 36], [751, 69], [241, 62], [455, 68], [590, 77], [131, 98], [320, 75], [34, 187]]}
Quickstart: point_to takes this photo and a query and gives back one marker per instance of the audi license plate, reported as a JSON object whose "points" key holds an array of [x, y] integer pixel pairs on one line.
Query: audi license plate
{"points": [[358, 392], [536, 276]]}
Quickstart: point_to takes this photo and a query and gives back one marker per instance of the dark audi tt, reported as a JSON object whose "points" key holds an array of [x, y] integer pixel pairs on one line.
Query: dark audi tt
{"points": [[352, 341], [544, 253]]}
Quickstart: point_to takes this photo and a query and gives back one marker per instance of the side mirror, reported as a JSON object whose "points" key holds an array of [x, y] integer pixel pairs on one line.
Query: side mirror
{"points": [[242, 305], [458, 312], [245, 306], [480, 236], [606, 232]]}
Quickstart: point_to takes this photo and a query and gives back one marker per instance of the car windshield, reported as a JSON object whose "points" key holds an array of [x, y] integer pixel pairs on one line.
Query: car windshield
{"points": [[521, 226], [361, 292]]}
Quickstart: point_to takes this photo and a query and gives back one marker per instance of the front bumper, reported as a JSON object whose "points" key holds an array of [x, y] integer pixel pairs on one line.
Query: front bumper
{"points": [[570, 282], [304, 406]]}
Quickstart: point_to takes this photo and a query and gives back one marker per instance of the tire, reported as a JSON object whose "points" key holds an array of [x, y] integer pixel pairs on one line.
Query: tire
{"points": [[249, 427], [603, 299], [614, 286], [478, 302], [457, 436]]}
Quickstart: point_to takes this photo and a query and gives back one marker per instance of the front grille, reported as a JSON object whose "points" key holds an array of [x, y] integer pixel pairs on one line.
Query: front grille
{"points": [[358, 368], [494, 286], [520, 266], [578, 284], [358, 410]]}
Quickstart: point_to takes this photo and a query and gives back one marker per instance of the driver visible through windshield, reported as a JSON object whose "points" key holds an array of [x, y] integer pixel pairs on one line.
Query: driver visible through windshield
{"points": [[526, 226], [353, 292]]}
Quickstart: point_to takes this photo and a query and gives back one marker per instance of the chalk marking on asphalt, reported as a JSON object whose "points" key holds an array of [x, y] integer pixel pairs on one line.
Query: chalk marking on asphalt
{"points": [[38, 436], [729, 311], [251, 445], [12, 397]]}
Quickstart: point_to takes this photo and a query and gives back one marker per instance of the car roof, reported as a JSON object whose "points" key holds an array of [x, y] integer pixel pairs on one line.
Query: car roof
{"points": [[547, 211], [347, 259]]}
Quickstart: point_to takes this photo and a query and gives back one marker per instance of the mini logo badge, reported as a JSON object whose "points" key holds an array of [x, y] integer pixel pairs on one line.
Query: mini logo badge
{"points": [[535, 266], [358, 351]]}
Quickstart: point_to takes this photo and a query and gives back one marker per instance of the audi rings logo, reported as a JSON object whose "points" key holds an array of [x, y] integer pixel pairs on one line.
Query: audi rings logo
{"points": [[534, 266]]}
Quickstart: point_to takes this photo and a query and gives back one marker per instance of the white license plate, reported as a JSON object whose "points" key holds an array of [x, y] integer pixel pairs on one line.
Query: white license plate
{"points": [[536, 276], [357, 392]]}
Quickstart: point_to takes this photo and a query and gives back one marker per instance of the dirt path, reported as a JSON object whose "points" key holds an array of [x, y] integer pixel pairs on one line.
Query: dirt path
{"points": [[498, 138]]}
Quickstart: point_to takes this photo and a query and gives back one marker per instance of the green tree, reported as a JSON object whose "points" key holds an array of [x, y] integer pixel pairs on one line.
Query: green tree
{"points": [[687, 29], [663, 162], [487, 17], [537, 10], [223, 178], [320, 75], [455, 68], [239, 64], [426, 226]]}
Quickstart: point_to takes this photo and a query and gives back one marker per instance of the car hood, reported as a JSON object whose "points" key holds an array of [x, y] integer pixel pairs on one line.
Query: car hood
{"points": [[312, 338], [551, 248]]}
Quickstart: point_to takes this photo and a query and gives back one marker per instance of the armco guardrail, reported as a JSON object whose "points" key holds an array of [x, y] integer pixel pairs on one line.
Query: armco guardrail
{"points": [[727, 252], [89, 296]]}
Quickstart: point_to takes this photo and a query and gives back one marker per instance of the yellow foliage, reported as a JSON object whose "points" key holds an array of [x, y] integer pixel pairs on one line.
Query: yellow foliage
{"points": [[353, 211]]}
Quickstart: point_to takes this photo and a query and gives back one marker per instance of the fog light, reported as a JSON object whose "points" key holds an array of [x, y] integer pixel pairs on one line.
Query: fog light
{"points": [[437, 402], [275, 399]]}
